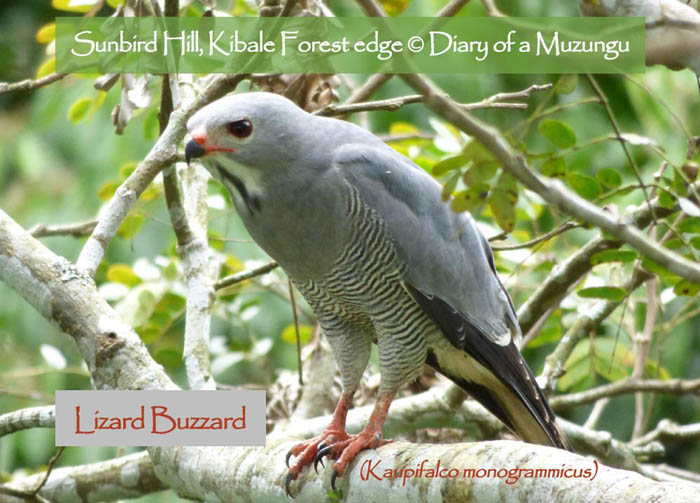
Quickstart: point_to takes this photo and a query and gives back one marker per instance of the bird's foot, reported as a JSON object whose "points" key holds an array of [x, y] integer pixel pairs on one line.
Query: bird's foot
{"points": [[346, 450], [307, 452]]}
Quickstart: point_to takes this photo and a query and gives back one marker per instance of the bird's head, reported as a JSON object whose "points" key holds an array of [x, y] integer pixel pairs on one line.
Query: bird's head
{"points": [[252, 129]]}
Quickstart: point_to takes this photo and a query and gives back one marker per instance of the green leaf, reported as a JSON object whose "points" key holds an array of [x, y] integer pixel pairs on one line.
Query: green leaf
{"points": [[130, 226], [106, 192], [46, 68], [659, 270], [503, 210], [480, 173], [79, 109], [584, 185], [566, 84], [149, 332], [555, 168], [502, 201], [126, 169], [71, 6], [122, 273], [484, 166], [613, 293], [46, 33], [394, 7], [605, 356], [551, 331], [687, 288], [695, 242], [470, 199], [477, 153], [168, 357], [448, 164], [609, 177], [289, 334], [674, 244], [509, 186], [613, 256], [559, 133], [449, 187], [690, 226], [666, 199]]}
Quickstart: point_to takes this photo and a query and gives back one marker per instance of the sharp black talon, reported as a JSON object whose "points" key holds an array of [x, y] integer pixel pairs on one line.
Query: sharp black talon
{"points": [[289, 455], [321, 445], [316, 462], [286, 485], [319, 456], [333, 477]]}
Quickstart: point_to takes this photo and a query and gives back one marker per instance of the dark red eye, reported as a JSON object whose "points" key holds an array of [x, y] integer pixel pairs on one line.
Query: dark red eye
{"points": [[240, 129]]}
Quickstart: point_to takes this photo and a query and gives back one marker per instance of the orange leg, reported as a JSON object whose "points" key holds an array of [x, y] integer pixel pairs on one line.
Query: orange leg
{"points": [[306, 452], [369, 438], [335, 443]]}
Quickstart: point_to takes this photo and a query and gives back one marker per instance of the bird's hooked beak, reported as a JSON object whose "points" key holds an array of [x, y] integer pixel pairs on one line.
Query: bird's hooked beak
{"points": [[198, 147]]}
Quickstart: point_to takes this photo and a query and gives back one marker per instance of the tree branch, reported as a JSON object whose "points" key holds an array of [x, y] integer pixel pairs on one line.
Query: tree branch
{"points": [[551, 191], [125, 477], [24, 419], [30, 84], [554, 363], [244, 275], [163, 153], [76, 230], [631, 385], [667, 431], [188, 213], [575, 267]]}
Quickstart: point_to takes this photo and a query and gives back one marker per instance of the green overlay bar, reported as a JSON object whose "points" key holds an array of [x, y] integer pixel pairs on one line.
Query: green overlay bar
{"points": [[349, 45]]}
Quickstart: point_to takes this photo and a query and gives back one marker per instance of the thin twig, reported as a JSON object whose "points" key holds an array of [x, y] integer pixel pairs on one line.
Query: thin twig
{"points": [[244, 275], [630, 385], [452, 8], [667, 430], [545, 237], [596, 412], [76, 230], [641, 352], [49, 469], [163, 153], [30, 84], [613, 122]]}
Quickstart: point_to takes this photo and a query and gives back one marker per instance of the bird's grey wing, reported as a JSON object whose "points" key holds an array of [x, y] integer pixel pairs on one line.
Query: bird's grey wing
{"points": [[446, 256], [450, 273]]}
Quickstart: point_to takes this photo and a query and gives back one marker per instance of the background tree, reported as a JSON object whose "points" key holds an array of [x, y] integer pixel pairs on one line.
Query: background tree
{"points": [[586, 186]]}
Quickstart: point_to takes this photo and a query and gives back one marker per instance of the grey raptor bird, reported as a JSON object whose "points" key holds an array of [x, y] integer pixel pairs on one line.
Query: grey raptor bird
{"points": [[364, 236]]}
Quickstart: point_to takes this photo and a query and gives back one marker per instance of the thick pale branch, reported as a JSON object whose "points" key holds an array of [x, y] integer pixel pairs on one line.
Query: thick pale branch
{"points": [[65, 295], [252, 474], [121, 478], [24, 419], [187, 207]]}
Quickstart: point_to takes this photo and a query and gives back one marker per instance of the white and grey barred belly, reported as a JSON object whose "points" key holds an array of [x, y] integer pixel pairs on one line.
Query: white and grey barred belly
{"points": [[362, 300]]}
